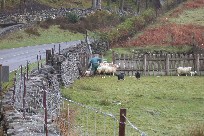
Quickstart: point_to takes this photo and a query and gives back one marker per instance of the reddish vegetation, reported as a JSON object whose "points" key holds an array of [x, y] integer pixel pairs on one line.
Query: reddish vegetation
{"points": [[194, 4], [188, 5], [173, 34]]}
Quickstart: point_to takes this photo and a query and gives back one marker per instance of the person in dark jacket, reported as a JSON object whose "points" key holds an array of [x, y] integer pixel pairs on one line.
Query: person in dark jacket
{"points": [[94, 63]]}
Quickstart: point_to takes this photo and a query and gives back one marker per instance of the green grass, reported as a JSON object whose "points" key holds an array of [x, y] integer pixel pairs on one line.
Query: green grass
{"points": [[194, 16], [52, 35], [157, 105]]}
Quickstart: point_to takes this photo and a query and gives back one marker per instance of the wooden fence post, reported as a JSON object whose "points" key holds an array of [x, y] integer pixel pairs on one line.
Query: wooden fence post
{"points": [[197, 61], [167, 64], [27, 69], [24, 94], [113, 57], [122, 122], [145, 64], [38, 62], [14, 86], [59, 48], [48, 56]]}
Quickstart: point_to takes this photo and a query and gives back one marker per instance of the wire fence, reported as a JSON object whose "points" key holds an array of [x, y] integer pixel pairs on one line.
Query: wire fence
{"points": [[77, 119], [39, 99], [36, 98]]}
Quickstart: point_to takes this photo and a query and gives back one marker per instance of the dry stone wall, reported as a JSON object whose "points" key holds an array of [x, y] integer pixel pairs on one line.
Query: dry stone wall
{"points": [[24, 111]]}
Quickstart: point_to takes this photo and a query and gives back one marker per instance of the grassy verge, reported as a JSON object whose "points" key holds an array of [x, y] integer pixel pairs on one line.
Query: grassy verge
{"points": [[51, 35], [157, 105]]}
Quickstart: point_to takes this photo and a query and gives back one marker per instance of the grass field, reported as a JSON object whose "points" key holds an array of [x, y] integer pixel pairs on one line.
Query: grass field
{"points": [[51, 35], [157, 105], [194, 16]]}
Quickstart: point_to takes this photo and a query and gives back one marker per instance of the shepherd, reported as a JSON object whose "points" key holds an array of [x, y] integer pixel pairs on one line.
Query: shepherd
{"points": [[94, 63]]}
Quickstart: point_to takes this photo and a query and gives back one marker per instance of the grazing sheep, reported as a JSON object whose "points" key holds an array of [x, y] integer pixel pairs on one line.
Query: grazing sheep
{"points": [[107, 69], [106, 64], [183, 70]]}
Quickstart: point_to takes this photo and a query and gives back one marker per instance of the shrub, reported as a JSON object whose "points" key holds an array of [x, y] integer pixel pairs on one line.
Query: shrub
{"points": [[197, 130], [149, 16], [139, 23], [129, 27], [32, 31], [72, 17], [45, 25]]}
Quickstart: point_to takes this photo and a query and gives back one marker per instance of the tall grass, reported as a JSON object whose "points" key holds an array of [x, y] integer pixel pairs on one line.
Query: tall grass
{"points": [[194, 17]]}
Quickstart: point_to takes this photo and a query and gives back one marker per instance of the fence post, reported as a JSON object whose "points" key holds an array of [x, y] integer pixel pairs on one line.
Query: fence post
{"points": [[27, 69], [59, 48], [167, 64], [45, 110], [113, 57], [145, 64], [197, 61], [14, 87], [48, 56], [122, 122], [38, 62], [24, 94], [21, 71]]}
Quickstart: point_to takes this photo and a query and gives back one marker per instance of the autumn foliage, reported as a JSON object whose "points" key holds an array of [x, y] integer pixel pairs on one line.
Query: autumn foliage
{"points": [[171, 34]]}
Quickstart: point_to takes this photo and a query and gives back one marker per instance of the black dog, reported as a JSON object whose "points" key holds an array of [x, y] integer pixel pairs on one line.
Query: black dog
{"points": [[121, 76], [137, 75]]}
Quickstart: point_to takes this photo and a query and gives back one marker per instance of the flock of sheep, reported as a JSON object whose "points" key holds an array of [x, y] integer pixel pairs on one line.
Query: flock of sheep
{"points": [[110, 68]]}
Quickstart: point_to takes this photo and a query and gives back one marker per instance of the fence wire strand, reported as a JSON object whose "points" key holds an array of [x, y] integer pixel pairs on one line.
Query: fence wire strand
{"points": [[134, 127]]}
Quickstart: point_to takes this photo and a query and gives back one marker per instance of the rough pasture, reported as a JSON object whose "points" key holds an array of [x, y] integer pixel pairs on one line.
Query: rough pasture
{"points": [[157, 105]]}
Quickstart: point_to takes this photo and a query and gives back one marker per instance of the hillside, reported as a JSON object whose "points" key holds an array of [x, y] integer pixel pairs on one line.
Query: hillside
{"points": [[183, 26]]}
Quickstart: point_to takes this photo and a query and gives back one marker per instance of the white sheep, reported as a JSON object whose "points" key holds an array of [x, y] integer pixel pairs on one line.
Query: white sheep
{"points": [[107, 69], [193, 73], [183, 70], [88, 73]]}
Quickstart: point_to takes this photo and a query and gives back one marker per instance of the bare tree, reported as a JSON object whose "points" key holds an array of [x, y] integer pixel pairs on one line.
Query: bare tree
{"points": [[157, 5], [98, 4], [2, 5], [108, 3], [146, 4], [138, 6], [94, 4], [121, 5]]}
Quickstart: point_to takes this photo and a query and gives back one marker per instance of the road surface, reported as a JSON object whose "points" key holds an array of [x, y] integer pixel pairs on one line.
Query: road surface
{"points": [[19, 56]]}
